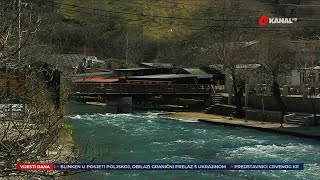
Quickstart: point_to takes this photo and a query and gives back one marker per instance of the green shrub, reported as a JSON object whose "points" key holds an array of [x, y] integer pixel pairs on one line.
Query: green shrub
{"points": [[67, 128]]}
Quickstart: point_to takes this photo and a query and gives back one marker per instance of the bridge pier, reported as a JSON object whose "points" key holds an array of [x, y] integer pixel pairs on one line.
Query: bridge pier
{"points": [[124, 105]]}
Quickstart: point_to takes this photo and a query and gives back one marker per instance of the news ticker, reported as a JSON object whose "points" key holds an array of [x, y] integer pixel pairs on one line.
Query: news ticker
{"points": [[162, 166]]}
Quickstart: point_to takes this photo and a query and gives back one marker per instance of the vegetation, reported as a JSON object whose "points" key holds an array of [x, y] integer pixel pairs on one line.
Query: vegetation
{"points": [[67, 128], [277, 59], [150, 30], [30, 110], [153, 29]]}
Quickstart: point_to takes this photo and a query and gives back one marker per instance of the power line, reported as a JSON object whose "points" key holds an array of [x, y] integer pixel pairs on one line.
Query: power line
{"points": [[245, 2], [195, 25], [287, 4], [158, 3], [145, 15], [154, 16], [128, 13], [191, 27]]}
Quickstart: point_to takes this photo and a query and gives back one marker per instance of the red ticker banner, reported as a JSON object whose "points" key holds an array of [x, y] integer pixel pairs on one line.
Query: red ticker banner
{"points": [[162, 166], [35, 166]]}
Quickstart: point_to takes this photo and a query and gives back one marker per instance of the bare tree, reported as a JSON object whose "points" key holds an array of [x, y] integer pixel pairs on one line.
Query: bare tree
{"points": [[309, 64], [229, 37], [31, 129], [276, 58]]}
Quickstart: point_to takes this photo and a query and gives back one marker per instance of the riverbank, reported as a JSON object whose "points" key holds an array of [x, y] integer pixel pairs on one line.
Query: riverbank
{"points": [[191, 115], [63, 149], [308, 132]]}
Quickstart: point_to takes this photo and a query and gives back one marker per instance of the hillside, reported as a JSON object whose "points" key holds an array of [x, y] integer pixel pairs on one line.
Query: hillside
{"points": [[145, 28], [156, 19]]}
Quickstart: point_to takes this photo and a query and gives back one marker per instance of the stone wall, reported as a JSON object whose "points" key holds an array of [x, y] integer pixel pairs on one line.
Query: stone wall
{"points": [[223, 109], [294, 104], [267, 116]]}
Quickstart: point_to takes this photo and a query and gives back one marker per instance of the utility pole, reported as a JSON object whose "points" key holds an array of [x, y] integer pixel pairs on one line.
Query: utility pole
{"points": [[19, 30], [223, 30], [127, 46]]}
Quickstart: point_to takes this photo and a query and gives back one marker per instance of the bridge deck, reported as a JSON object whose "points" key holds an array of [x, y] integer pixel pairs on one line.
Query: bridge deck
{"points": [[128, 89]]}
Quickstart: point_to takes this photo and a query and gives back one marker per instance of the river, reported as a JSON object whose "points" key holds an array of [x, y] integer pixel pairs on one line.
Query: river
{"points": [[148, 138]]}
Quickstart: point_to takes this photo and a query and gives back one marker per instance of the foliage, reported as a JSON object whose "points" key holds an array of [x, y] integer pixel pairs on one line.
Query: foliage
{"points": [[154, 29], [68, 129], [29, 112], [277, 58]]}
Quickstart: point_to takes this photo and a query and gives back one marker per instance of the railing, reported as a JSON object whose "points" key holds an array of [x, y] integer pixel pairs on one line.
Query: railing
{"points": [[294, 90], [219, 87], [126, 88], [298, 90], [288, 90]]}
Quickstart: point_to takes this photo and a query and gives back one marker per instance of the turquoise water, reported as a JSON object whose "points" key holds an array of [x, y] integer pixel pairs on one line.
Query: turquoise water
{"points": [[147, 138]]}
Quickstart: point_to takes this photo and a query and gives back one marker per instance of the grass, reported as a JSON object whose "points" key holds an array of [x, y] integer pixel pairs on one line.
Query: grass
{"points": [[67, 129], [154, 28]]}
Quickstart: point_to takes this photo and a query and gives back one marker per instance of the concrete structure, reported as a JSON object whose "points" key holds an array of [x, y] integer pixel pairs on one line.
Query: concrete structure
{"points": [[288, 129], [293, 103], [261, 115], [124, 105]]}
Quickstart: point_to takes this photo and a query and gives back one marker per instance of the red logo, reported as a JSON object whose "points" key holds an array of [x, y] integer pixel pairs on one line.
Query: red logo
{"points": [[264, 20]]}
